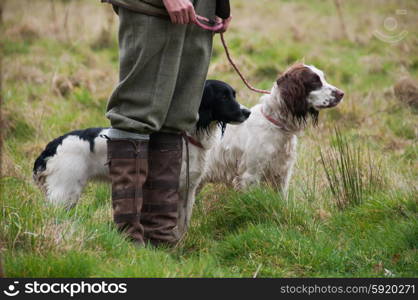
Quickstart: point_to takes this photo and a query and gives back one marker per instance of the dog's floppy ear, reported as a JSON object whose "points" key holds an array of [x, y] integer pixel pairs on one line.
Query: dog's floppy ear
{"points": [[205, 119], [293, 93], [205, 109]]}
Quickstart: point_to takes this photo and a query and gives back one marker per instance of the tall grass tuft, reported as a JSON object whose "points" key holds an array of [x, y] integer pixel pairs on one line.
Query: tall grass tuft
{"points": [[350, 171]]}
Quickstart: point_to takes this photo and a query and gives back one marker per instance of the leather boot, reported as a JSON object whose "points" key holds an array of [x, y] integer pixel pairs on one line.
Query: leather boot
{"points": [[128, 167], [159, 213]]}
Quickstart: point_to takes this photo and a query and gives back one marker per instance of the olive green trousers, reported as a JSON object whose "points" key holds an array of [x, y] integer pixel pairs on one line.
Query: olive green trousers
{"points": [[163, 68]]}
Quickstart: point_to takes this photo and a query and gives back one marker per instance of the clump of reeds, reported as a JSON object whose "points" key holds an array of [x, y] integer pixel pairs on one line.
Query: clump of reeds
{"points": [[350, 171]]}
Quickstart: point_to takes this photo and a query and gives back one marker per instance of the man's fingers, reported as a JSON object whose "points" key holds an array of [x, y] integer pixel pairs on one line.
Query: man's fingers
{"points": [[180, 11], [185, 16], [172, 18], [192, 14], [186, 19], [178, 18], [177, 15]]}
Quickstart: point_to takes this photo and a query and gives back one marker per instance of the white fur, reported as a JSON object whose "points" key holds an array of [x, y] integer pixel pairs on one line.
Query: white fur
{"points": [[68, 171], [197, 161], [323, 97]]}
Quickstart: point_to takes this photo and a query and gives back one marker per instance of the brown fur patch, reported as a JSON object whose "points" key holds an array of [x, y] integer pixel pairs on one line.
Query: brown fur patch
{"points": [[295, 85]]}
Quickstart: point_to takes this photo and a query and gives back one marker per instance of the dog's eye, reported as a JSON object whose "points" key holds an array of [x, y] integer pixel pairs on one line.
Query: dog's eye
{"points": [[315, 82]]}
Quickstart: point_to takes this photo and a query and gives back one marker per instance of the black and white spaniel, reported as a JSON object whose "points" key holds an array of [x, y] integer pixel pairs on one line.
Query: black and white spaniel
{"points": [[70, 161], [264, 147]]}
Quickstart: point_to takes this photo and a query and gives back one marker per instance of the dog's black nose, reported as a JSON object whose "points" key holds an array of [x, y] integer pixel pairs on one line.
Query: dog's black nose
{"points": [[338, 94], [246, 112]]}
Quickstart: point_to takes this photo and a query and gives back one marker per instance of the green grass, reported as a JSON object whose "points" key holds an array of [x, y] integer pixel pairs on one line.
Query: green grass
{"points": [[352, 209]]}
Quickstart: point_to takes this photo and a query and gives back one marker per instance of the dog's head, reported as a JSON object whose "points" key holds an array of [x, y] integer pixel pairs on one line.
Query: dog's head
{"points": [[305, 91], [219, 105]]}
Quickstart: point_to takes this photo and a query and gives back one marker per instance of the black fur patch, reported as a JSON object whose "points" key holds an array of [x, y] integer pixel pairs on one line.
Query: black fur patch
{"points": [[51, 149]]}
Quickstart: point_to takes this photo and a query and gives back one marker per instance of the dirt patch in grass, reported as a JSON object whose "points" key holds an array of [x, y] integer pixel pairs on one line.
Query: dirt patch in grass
{"points": [[406, 91]]}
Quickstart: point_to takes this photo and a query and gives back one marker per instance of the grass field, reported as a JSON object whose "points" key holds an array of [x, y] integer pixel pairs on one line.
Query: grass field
{"points": [[353, 205]]}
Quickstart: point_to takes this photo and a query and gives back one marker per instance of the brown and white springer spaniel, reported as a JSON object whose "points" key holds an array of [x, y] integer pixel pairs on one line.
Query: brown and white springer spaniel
{"points": [[264, 147]]}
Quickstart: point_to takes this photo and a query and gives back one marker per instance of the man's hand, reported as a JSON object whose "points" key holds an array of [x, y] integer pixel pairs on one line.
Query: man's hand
{"points": [[180, 11], [225, 24]]}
